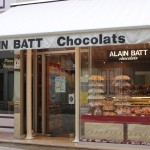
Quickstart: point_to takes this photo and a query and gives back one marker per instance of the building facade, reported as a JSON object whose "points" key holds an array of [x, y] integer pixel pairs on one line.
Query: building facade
{"points": [[7, 80]]}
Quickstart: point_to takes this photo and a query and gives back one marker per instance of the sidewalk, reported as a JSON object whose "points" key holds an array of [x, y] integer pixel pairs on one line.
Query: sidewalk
{"points": [[61, 143]]}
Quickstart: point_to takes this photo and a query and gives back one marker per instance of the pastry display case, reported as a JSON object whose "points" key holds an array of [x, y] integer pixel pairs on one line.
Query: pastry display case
{"points": [[121, 105]]}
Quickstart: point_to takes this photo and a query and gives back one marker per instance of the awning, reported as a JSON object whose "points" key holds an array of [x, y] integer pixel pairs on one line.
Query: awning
{"points": [[55, 24]]}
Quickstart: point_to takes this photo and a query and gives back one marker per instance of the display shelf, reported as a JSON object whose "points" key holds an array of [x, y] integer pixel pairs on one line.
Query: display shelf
{"points": [[95, 87], [121, 104], [116, 119], [140, 105], [95, 94], [131, 107]]}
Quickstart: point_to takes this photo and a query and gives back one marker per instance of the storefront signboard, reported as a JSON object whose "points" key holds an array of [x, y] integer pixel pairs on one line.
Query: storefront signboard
{"points": [[75, 39]]}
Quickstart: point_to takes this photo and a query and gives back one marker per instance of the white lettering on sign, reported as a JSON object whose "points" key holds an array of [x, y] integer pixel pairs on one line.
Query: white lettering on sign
{"points": [[118, 53], [124, 53], [138, 52], [127, 54]]}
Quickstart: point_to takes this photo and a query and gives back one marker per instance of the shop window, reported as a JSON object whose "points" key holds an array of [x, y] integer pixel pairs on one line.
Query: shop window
{"points": [[115, 105], [6, 86]]}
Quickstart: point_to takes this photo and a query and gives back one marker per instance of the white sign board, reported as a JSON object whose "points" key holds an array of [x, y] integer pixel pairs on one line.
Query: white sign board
{"points": [[76, 40]]}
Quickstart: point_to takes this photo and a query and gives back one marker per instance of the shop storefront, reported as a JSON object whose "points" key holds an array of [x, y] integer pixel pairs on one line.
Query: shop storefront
{"points": [[89, 76], [59, 92], [114, 94]]}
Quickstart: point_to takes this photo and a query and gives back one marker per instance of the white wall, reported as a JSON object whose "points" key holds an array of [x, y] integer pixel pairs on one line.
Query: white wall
{"points": [[6, 4], [6, 122]]}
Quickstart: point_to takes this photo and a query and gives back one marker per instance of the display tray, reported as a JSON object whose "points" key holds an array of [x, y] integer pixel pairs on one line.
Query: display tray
{"points": [[116, 119]]}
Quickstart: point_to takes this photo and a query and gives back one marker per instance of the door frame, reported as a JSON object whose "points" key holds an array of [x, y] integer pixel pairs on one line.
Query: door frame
{"points": [[44, 55]]}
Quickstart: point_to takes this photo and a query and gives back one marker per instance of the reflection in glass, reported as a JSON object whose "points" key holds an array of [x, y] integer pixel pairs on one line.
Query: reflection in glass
{"points": [[60, 94], [116, 101]]}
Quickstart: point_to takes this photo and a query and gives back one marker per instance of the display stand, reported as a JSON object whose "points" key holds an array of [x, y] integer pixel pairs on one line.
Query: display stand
{"points": [[95, 94]]}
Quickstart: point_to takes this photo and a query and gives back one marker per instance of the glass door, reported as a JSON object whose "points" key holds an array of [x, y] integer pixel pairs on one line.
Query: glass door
{"points": [[60, 92]]}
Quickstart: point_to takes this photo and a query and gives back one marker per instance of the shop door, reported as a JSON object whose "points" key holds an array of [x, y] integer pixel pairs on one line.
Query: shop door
{"points": [[60, 91]]}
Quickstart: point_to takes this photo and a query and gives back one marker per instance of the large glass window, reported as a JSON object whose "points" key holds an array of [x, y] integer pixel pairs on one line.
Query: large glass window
{"points": [[60, 91], [115, 95], [7, 84]]}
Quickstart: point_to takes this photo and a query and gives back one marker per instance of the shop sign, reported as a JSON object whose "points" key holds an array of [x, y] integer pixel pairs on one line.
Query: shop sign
{"points": [[8, 64], [128, 55], [100, 39], [79, 39], [63, 41]]}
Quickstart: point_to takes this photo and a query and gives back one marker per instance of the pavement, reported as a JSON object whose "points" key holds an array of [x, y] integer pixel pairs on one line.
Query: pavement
{"points": [[40, 142], [9, 148]]}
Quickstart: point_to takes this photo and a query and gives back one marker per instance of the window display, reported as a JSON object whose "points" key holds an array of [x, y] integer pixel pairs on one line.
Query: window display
{"points": [[95, 94], [118, 97], [122, 95], [120, 104]]}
